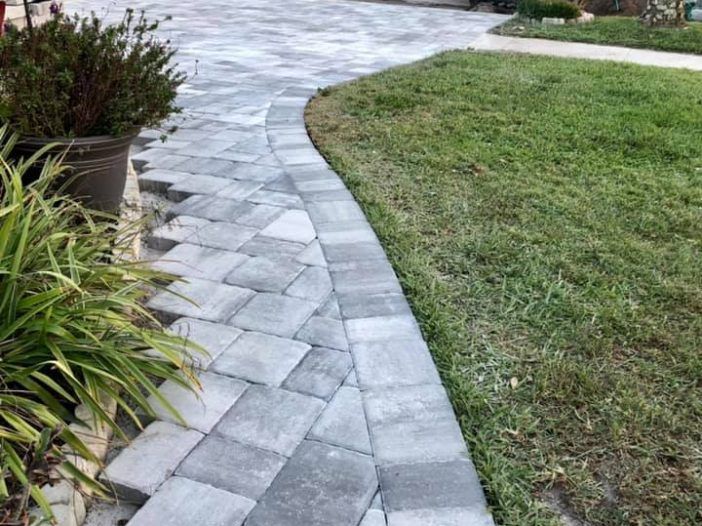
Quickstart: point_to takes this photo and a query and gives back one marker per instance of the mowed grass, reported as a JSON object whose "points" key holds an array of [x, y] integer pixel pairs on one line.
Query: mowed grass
{"points": [[613, 31], [545, 219]]}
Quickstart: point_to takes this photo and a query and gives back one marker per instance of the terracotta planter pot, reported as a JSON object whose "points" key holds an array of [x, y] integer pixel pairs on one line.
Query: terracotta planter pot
{"points": [[97, 166]]}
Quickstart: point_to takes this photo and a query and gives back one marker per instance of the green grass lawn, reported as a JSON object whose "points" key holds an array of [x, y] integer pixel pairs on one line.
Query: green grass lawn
{"points": [[545, 219], [613, 31]]}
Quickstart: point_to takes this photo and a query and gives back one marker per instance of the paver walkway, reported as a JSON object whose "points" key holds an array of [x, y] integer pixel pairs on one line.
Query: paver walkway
{"points": [[319, 389], [556, 48]]}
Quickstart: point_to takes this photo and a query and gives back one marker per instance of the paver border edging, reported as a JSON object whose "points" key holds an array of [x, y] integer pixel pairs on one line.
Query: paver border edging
{"points": [[424, 467]]}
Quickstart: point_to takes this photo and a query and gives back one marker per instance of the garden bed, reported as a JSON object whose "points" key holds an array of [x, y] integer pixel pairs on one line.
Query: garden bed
{"points": [[543, 216]]}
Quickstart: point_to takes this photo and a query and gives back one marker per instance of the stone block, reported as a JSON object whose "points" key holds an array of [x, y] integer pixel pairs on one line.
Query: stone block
{"points": [[285, 200], [335, 211], [320, 373], [260, 216], [194, 261], [293, 225], [239, 190], [343, 422], [265, 275], [312, 255], [441, 517], [323, 332], [273, 314], [222, 235], [394, 363], [382, 328], [213, 337], [374, 518], [211, 207], [159, 180], [313, 284], [197, 184], [271, 248], [175, 231], [368, 277], [359, 305]]}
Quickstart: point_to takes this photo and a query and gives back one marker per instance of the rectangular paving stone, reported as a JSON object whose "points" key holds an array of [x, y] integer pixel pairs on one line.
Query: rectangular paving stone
{"points": [[374, 518], [270, 418], [343, 422], [343, 233], [272, 248], [359, 305], [441, 517], [252, 172], [260, 358], [382, 328], [321, 196], [369, 277], [293, 225], [194, 261], [312, 255], [239, 190], [413, 424], [394, 363], [207, 300], [159, 180], [324, 332], [265, 275], [183, 502], [285, 200], [431, 485], [260, 216], [175, 231], [320, 485], [234, 467], [196, 184], [313, 284], [201, 409], [222, 235], [353, 252], [213, 337], [149, 460], [335, 211], [320, 373], [211, 207], [204, 165], [274, 314]]}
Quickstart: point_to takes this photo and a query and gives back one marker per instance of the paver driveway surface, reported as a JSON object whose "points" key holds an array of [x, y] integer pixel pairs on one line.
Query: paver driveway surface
{"points": [[319, 388]]}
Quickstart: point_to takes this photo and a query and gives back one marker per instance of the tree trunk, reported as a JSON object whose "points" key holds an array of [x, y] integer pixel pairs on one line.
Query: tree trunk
{"points": [[664, 13]]}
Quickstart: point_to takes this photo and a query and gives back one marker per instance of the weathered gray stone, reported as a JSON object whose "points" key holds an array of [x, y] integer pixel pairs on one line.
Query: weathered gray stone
{"points": [[211, 207], [234, 467], [212, 337], [274, 314], [413, 424], [252, 172], [183, 502], [159, 180], [270, 419], [207, 300], [343, 422], [175, 231], [441, 517], [272, 248], [394, 363], [335, 211], [293, 225], [266, 197], [373, 276], [344, 233], [313, 284], [382, 328], [374, 518], [239, 190], [222, 235], [358, 305], [319, 486], [149, 460], [312, 255], [200, 410], [265, 275], [323, 332], [260, 216], [197, 184], [194, 261], [260, 358], [353, 252], [204, 165], [320, 373]]}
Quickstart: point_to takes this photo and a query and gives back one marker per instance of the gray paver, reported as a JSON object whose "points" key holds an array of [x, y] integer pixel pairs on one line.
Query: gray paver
{"points": [[323, 332], [441, 517], [320, 373], [312, 255], [413, 424], [183, 502], [196, 184], [266, 197], [373, 276], [222, 235], [373, 518], [272, 248], [149, 460], [355, 305], [293, 225], [274, 314], [202, 409], [393, 363], [159, 180], [211, 207], [175, 231], [313, 284], [199, 262], [342, 423], [321, 485], [239, 190], [271, 419], [234, 467], [212, 337], [382, 328], [265, 275], [260, 216], [260, 358]]}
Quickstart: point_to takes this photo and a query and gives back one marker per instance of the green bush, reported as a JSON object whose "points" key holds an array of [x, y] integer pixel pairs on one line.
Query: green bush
{"points": [[75, 77], [539, 9], [72, 330]]}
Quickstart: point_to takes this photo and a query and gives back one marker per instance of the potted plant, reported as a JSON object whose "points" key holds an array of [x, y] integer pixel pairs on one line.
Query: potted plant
{"points": [[87, 88]]}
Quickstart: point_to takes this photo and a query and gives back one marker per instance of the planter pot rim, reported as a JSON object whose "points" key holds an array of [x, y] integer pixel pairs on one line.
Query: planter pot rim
{"points": [[87, 139]]}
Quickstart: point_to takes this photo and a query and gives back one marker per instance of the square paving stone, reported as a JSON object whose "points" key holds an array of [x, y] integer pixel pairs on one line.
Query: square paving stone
{"points": [[194, 261], [211, 207], [321, 485], [313, 284], [293, 225], [239, 190], [382, 328], [183, 502], [441, 517], [260, 358], [431, 485], [149, 460], [272, 248], [324, 332], [197, 184], [274, 314], [265, 275], [175, 231], [260, 216], [343, 422], [394, 363], [270, 419], [374, 276], [223, 235], [201, 410], [234, 467], [413, 424], [320, 373], [207, 300], [213, 337]]}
